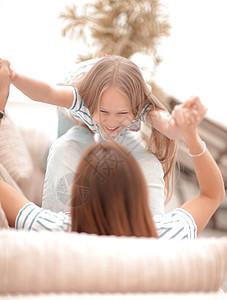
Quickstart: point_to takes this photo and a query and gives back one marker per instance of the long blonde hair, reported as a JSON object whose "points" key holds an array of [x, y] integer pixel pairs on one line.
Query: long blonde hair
{"points": [[123, 74], [109, 195]]}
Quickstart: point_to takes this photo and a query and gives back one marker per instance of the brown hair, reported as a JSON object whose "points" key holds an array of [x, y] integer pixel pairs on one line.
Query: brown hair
{"points": [[109, 195], [123, 74]]}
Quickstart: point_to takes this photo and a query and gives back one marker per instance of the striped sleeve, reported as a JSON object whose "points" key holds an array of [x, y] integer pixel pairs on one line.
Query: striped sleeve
{"points": [[178, 224], [80, 112], [32, 217]]}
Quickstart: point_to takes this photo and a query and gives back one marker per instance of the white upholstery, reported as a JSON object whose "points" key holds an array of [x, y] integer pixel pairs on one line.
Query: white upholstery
{"points": [[14, 154], [71, 262], [138, 296], [23, 154]]}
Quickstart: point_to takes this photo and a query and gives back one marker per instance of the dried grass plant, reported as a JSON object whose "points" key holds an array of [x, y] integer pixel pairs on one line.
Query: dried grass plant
{"points": [[118, 27]]}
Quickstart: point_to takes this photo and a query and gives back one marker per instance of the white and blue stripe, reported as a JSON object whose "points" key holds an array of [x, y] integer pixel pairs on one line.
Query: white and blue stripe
{"points": [[33, 218], [177, 224]]}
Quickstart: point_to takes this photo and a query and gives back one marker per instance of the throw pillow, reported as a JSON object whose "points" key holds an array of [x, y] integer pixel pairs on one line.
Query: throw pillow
{"points": [[14, 155]]}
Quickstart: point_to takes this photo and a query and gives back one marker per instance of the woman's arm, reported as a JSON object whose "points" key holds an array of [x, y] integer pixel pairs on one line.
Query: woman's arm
{"points": [[209, 177], [41, 91], [12, 201], [4, 85]]}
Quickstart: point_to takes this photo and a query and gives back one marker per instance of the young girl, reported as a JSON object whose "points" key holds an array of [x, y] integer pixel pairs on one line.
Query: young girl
{"points": [[111, 98], [110, 196]]}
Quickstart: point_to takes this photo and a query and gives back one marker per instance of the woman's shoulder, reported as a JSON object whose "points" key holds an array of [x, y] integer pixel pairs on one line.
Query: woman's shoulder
{"points": [[178, 224], [33, 217]]}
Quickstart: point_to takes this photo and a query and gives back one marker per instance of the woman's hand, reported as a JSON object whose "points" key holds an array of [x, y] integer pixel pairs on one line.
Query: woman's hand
{"points": [[188, 115], [4, 74]]}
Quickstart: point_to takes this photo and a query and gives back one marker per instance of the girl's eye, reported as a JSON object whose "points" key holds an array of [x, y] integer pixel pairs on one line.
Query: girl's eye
{"points": [[123, 113], [103, 111]]}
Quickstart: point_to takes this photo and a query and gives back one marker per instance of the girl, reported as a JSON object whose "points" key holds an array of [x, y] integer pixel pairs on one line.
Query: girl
{"points": [[111, 98], [110, 196]]}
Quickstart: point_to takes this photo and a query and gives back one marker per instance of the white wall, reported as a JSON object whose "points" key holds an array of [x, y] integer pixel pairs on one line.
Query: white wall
{"points": [[194, 57], [31, 39]]}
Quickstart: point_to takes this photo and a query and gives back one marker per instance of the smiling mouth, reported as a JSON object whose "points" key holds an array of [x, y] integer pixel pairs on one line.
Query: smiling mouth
{"points": [[112, 128]]}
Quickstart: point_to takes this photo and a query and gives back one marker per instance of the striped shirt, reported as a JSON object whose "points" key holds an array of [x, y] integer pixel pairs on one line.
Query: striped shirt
{"points": [[78, 109], [177, 224]]}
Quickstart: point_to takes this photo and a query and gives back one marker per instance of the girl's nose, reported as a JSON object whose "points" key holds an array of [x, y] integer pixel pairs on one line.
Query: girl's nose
{"points": [[112, 122]]}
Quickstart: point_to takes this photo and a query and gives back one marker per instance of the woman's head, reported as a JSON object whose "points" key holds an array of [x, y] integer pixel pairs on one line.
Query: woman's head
{"points": [[109, 194]]}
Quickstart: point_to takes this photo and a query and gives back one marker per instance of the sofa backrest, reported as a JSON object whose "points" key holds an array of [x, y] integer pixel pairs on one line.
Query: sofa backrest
{"points": [[32, 262]]}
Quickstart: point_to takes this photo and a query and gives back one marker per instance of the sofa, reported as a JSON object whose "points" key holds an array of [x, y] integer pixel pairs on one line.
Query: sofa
{"points": [[52, 265], [41, 265]]}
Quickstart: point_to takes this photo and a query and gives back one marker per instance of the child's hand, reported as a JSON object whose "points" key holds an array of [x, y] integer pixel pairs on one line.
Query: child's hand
{"points": [[189, 114], [198, 109]]}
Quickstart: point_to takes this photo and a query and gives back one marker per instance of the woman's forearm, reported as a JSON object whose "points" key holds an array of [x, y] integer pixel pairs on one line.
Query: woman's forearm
{"points": [[3, 99], [211, 184], [208, 174], [11, 201], [4, 86]]}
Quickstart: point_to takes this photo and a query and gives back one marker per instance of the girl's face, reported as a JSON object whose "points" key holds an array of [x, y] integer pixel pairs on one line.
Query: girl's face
{"points": [[114, 112]]}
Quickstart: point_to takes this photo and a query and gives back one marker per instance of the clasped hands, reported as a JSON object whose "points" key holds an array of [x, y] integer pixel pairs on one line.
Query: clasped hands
{"points": [[188, 115]]}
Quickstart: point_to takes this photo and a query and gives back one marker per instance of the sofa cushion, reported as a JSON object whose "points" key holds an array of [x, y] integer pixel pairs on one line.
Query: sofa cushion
{"points": [[72, 262], [37, 142], [14, 155], [4, 175]]}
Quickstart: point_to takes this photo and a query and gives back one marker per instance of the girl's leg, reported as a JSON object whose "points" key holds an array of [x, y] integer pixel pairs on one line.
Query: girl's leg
{"points": [[63, 159], [151, 167]]}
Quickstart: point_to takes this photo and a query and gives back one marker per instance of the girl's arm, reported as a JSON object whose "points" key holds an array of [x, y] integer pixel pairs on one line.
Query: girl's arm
{"points": [[43, 92], [162, 121], [166, 124], [11, 201], [212, 191]]}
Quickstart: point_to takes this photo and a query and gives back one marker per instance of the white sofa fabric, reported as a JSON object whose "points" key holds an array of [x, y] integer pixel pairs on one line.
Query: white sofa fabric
{"points": [[137, 296], [46, 262], [23, 155]]}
